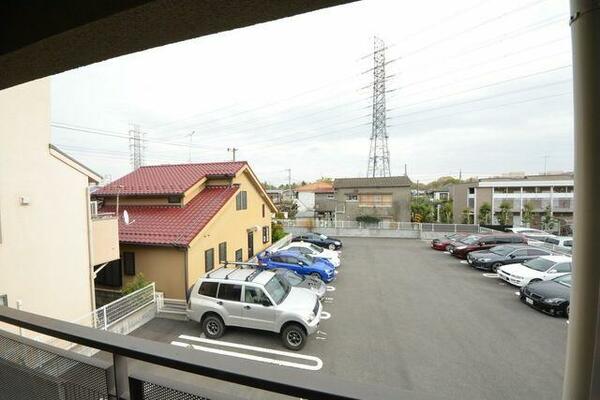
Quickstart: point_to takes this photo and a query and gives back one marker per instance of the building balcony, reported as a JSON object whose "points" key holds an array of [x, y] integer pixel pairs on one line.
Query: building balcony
{"points": [[105, 238]]}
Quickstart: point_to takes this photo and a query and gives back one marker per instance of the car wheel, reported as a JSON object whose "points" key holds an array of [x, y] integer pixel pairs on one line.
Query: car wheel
{"points": [[535, 280], [332, 246], [213, 327], [567, 311], [293, 337], [495, 266], [316, 275]]}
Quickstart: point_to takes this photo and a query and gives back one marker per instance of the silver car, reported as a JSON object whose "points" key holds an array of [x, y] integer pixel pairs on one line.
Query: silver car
{"points": [[257, 299], [315, 285]]}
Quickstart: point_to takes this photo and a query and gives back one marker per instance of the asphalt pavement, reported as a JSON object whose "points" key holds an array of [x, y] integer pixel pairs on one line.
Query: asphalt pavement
{"points": [[415, 319]]}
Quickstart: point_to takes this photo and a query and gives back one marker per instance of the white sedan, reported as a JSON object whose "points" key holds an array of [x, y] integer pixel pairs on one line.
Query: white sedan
{"points": [[315, 251], [539, 269]]}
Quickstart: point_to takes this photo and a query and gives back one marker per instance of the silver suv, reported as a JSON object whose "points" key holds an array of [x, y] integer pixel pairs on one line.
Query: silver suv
{"points": [[254, 298]]}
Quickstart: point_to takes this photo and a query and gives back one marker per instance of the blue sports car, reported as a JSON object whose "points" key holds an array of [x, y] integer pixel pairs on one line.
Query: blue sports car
{"points": [[299, 263]]}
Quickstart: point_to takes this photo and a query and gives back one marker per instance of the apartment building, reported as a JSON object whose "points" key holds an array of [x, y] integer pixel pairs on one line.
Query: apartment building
{"points": [[386, 198], [184, 220], [50, 239], [553, 192]]}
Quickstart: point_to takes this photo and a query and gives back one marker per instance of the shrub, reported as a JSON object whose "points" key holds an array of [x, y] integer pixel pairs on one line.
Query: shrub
{"points": [[277, 232], [137, 283], [368, 219]]}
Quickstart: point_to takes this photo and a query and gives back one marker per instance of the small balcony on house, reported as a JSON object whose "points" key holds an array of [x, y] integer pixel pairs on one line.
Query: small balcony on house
{"points": [[105, 237]]}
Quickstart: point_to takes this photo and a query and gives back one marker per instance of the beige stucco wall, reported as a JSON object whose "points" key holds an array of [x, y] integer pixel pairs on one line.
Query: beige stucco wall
{"points": [[162, 265], [105, 243], [230, 226], [44, 245]]}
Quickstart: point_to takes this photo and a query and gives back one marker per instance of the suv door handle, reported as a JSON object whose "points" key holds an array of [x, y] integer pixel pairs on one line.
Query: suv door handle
{"points": [[219, 302], [247, 307]]}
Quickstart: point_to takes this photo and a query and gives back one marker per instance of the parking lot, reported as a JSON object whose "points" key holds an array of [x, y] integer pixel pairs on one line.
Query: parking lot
{"points": [[406, 316]]}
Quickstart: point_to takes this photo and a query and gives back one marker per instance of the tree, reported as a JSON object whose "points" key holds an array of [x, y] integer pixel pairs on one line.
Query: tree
{"points": [[290, 207], [505, 212], [137, 283], [446, 216], [326, 179], [421, 210], [466, 216], [547, 220], [485, 213], [527, 212]]}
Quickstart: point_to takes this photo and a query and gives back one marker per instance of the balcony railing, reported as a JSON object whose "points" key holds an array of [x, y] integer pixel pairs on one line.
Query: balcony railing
{"points": [[35, 368]]}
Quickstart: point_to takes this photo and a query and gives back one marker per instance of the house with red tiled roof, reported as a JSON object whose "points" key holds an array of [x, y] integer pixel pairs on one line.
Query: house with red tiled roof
{"points": [[177, 222]]}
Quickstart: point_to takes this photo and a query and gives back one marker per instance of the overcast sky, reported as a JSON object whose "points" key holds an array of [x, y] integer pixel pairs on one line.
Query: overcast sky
{"points": [[478, 86]]}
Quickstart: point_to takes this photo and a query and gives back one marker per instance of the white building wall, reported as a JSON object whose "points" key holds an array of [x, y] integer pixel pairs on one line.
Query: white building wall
{"points": [[306, 201], [44, 259]]}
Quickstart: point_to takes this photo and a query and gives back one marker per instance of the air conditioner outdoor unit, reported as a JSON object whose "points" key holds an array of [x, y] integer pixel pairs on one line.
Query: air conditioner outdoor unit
{"points": [[94, 208]]}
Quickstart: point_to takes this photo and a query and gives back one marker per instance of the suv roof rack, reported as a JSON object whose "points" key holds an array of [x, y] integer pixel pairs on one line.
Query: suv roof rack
{"points": [[253, 275]]}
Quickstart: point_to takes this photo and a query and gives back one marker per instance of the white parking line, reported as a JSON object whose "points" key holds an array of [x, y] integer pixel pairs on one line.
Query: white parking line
{"points": [[446, 252], [490, 275], [317, 366], [463, 262], [325, 315], [331, 288]]}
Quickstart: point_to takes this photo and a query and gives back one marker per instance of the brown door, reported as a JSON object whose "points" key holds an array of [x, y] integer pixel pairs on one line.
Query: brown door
{"points": [[250, 244]]}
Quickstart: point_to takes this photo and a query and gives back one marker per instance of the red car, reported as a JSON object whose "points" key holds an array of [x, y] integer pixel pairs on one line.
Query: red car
{"points": [[483, 241], [442, 244]]}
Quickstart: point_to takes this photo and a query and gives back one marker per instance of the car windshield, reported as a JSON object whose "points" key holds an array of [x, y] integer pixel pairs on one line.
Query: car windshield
{"points": [[293, 278], [539, 264], [563, 280], [316, 248], [278, 288], [502, 250], [470, 239]]}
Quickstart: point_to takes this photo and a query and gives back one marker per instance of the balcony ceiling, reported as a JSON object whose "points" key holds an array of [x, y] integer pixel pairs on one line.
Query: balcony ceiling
{"points": [[39, 38]]}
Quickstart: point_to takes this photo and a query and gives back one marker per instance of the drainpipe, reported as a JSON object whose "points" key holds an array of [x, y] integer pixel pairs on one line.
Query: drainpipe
{"points": [[582, 370], [90, 249]]}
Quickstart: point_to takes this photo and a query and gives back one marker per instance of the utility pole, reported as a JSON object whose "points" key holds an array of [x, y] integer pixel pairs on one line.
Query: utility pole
{"points": [[289, 170], [191, 135], [405, 170], [460, 174], [546, 156], [136, 146], [233, 150], [379, 154]]}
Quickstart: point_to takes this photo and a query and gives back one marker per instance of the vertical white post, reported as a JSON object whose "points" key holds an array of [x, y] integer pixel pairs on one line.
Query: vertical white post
{"points": [[104, 316]]}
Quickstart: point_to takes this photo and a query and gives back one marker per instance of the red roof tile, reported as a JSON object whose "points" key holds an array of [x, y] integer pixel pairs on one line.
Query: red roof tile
{"points": [[170, 225], [166, 179]]}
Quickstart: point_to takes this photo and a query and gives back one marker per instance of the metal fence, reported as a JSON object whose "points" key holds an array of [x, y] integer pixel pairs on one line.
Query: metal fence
{"points": [[32, 371], [383, 225], [111, 313]]}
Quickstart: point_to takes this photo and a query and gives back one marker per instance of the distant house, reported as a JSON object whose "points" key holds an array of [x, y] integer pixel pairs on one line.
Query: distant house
{"points": [[306, 197], [387, 198], [184, 220], [279, 195]]}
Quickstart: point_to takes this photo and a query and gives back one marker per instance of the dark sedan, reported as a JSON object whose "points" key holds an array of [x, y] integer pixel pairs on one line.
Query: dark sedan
{"points": [[551, 297], [492, 259], [319, 239]]}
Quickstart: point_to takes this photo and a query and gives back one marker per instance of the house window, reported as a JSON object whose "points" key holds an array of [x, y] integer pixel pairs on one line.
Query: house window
{"points": [[3, 300], [223, 252], [110, 275], [209, 259], [351, 197], [174, 199], [241, 201], [129, 263], [263, 210], [331, 196], [239, 257], [265, 234], [375, 200]]}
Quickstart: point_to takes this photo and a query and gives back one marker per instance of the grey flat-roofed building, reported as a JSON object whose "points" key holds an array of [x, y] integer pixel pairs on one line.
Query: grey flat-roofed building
{"points": [[386, 198]]}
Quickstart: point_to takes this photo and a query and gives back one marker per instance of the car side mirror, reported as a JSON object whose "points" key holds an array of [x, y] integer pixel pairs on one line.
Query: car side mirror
{"points": [[552, 271], [512, 256]]}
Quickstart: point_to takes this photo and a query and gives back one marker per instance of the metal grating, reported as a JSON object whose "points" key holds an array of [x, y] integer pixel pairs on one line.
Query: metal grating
{"points": [[153, 391], [30, 373]]}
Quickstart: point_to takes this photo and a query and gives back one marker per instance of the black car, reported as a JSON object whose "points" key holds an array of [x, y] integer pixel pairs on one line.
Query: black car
{"points": [[552, 297], [319, 239], [492, 259]]}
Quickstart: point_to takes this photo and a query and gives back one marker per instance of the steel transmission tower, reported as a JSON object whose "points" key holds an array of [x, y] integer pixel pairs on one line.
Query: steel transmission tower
{"points": [[379, 155], [136, 146]]}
